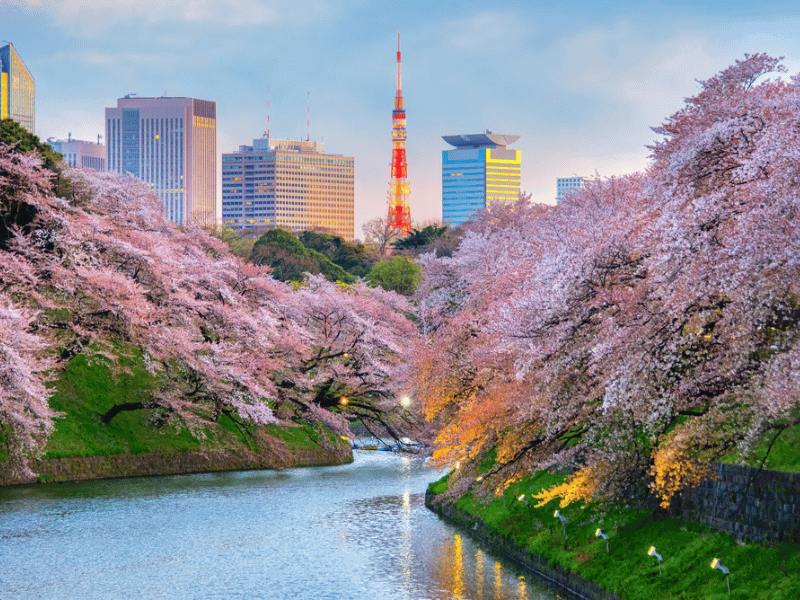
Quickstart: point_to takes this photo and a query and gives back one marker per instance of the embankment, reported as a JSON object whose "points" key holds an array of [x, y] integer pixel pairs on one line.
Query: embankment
{"points": [[505, 547], [288, 448]]}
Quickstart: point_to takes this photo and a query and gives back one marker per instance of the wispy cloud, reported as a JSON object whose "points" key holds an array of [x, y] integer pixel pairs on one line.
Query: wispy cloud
{"points": [[103, 13], [489, 31]]}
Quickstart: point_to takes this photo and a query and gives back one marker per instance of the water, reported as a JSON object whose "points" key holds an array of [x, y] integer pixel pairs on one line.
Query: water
{"points": [[351, 532]]}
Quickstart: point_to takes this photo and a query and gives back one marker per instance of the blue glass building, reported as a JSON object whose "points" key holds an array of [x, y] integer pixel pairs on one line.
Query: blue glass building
{"points": [[479, 172]]}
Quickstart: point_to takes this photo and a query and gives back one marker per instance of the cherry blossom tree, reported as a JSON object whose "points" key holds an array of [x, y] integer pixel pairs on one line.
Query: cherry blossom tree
{"points": [[104, 266], [645, 326]]}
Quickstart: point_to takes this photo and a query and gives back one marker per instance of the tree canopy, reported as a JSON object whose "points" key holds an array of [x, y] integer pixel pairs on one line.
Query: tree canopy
{"points": [[398, 274], [104, 267], [289, 259], [646, 326]]}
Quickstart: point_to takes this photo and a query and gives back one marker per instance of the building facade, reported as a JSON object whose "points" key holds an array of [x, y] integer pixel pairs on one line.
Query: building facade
{"points": [[79, 154], [565, 184], [171, 145], [479, 172], [289, 184], [17, 89]]}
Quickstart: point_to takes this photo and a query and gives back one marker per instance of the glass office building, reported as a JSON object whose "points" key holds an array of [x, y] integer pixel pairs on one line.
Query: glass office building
{"points": [[289, 184], [565, 184], [479, 172], [17, 89], [171, 145]]}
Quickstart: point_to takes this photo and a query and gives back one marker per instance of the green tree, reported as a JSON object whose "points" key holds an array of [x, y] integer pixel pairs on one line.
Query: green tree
{"points": [[420, 237], [397, 274], [290, 259], [14, 211], [356, 259], [12, 133]]}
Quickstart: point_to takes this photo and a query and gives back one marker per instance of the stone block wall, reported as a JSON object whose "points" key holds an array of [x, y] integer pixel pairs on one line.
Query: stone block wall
{"points": [[748, 504]]}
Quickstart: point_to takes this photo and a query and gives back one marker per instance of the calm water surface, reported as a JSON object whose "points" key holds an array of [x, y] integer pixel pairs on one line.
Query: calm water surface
{"points": [[351, 532]]}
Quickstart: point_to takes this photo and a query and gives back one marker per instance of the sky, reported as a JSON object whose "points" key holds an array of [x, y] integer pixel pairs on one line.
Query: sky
{"points": [[581, 83]]}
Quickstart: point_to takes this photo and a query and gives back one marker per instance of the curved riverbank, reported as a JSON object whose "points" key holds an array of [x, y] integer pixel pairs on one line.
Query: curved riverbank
{"points": [[505, 547], [305, 447]]}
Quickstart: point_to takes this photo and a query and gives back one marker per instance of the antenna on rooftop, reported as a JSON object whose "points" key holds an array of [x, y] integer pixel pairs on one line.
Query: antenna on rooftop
{"points": [[308, 113], [267, 133]]}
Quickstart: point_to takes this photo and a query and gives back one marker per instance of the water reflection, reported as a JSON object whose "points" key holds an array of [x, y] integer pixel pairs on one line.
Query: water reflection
{"points": [[353, 532]]}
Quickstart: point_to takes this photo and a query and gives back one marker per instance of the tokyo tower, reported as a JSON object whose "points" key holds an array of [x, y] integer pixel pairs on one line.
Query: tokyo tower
{"points": [[399, 211]]}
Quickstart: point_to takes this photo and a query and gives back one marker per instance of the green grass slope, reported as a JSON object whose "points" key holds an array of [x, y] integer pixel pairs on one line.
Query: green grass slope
{"points": [[757, 571], [92, 383]]}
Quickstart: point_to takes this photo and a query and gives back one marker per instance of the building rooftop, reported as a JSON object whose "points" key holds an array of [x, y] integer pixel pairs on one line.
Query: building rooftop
{"points": [[480, 140]]}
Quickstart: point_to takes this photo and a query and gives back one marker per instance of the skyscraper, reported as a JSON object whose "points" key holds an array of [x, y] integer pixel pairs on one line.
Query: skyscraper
{"points": [[480, 171], [80, 154], [17, 89], [289, 184], [171, 145]]}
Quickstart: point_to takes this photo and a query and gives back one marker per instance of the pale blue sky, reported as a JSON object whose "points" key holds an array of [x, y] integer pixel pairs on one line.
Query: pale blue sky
{"points": [[580, 82]]}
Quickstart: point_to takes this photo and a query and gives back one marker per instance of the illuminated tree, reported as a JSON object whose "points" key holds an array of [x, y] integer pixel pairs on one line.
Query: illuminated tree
{"points": [[646, 325]]}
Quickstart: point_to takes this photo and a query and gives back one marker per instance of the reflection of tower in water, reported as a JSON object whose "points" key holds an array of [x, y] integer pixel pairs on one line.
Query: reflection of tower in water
{"points": [[479, 576], [406, 550]]}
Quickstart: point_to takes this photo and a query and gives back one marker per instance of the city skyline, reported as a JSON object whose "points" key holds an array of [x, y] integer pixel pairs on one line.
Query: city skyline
{"points": [[581, 85]]}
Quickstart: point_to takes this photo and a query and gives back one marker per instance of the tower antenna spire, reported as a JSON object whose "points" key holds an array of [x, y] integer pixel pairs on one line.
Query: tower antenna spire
{"points": [[308, 116], [399, 210]]}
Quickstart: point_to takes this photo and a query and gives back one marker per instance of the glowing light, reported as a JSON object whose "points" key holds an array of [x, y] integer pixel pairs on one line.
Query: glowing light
{"points": [[405, 401], [343, 400]]}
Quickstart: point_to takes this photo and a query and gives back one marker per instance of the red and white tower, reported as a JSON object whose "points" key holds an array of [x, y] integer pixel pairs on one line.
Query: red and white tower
{"points": [[399, 211]]}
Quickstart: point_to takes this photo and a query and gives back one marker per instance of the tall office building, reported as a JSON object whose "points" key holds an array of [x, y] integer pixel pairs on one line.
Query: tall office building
{"points": [[480, 172], [171, 145], [79, 154], [289, 184], [565, 184], [17, 89]]}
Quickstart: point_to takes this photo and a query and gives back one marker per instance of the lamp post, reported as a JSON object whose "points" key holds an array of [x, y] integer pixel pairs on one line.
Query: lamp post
{"points": [[599, 533], [715, 564], [405, 401], [563, 522], [652, 552]]}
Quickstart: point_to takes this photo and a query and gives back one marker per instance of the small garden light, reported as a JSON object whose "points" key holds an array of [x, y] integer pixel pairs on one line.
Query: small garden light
{"points": [[652, 552], [563, 522], [715, 564], [599, 533]]}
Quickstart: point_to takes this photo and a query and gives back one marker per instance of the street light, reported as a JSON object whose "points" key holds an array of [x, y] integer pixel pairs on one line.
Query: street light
{"points": [[343, 400], [652, 552], [563, 521], [405, 401], [599, 533], [715, 564]]}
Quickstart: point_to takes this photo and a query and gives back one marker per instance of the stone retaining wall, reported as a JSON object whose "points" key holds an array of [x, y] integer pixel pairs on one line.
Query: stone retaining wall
{"points": [[503, 545], [82, 468], [747, 503]]}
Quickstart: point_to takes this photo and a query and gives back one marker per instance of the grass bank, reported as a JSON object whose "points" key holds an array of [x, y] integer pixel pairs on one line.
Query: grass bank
{"points": [[153, 440], [756, 571]]}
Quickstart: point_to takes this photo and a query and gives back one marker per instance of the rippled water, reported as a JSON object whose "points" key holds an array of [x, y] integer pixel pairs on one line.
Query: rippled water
{"points": [[358, 531]]}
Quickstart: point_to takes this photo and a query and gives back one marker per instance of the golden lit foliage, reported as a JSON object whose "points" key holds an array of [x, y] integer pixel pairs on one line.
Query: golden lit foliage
{"points": [[675, 469], [581, 486]]}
